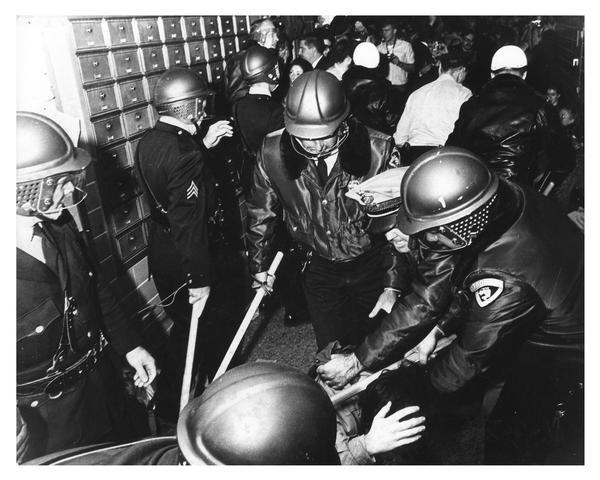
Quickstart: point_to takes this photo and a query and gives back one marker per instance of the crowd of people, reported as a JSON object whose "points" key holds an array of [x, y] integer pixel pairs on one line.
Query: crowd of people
{"points": [[427, 175]]}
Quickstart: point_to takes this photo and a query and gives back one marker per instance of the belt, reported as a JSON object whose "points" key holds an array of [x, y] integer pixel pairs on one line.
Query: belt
{"points": [[54, 384]]}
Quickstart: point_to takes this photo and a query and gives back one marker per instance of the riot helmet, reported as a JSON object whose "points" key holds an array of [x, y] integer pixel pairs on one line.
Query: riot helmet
{"points": [[447, 197], [260, 64], [46, 160], [315, 113], [183, 94], [259, 413]]}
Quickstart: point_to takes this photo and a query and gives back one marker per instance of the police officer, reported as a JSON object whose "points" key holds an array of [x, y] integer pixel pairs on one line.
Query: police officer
{"points": [[302, 174], [259, 413], [172, 162], [68, 392], [518, 293]]}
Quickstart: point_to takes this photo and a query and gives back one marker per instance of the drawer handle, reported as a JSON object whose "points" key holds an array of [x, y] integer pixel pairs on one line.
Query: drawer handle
{"points": [[153, 54], [108, 126], [121, 27], [102, 95], [126, 212], [132, 88], [193, 24], [127, 59], [138, 116], [89, 30], [115, 155], [172, 25], [149, 27], [95, 63]]}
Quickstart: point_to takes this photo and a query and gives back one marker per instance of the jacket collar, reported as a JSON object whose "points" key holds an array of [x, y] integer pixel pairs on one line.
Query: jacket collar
{"points": [[354, 155], [168, 124]]}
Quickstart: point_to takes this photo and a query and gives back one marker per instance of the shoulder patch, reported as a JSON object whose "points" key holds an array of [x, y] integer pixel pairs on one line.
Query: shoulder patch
{"points": [[486, 290]]}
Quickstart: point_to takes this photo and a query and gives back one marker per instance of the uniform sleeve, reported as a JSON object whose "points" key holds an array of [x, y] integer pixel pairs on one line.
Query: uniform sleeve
{"points": [[413, 316], [188, 186], [501, 314], [263, 210], [276, 120]]}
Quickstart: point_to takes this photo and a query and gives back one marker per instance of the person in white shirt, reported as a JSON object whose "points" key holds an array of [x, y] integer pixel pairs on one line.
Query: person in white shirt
{"points": [[399, 53], [431, 111]]}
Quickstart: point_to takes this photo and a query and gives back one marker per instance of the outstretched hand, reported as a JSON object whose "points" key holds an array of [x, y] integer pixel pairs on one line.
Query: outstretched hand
{"points": [[216, 132], [388, 433]]}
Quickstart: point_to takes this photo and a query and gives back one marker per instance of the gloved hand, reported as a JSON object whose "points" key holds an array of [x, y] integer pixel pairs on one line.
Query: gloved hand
{"points": [[387, 433], [340, 370], [216, 132], [263, 280]]}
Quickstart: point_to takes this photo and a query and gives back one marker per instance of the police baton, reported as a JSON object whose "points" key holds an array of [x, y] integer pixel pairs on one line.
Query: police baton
{"points": [[197, 309], [410, 357], [260, 293]]}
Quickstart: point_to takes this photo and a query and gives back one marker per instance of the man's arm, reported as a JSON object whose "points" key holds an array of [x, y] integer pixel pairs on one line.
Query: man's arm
{"points": [[401, 135]]}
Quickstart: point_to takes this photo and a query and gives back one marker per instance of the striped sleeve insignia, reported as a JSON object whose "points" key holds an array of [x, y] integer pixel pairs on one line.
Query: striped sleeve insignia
{"points": [[487, 290], [192, 190]]}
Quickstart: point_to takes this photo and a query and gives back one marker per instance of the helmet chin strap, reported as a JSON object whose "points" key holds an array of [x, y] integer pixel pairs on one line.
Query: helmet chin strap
{"points": [[299, 149]]}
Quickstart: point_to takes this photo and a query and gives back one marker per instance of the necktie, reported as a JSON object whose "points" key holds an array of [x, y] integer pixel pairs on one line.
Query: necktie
{"points": [[322, 171]]}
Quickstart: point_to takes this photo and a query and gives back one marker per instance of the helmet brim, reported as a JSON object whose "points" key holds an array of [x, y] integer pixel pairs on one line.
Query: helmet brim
{"points": [[79, 161], [314, 132]]}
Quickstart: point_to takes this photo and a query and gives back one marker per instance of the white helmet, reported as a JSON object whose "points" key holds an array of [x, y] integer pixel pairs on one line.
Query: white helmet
{"points": [[366, 55], [508, 57]]}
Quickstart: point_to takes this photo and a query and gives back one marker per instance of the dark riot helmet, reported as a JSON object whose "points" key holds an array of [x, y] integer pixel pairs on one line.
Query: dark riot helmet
{"points": [[45, 157], [316, 109], [448, 191], [259, 64], [183, 94], [260, 413]]}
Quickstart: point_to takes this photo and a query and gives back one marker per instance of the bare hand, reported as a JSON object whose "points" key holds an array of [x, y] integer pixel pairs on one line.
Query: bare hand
{"points": [[388, 433], [263, 280], [340, 370], [398, 239], [216, 132], [577, 217], [386, 302], [427, 345], [144, 365], [197, 294]]}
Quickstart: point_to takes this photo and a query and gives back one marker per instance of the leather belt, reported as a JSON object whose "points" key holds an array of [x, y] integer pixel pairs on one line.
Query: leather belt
{"points": [[54, 384]]}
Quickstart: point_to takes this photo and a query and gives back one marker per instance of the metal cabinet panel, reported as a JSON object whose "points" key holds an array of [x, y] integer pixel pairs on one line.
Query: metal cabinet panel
{"points": [[94, 67], [137, 121], [153, 59], [197, 52], [172, 28], [193, 29], [243, 42], [125, 216], [132, 92], [148, 30], [88, 34], [152, 79], [127, 63], [227, 26], [176, 55], [229, 46], [211, 27], [216, 71], [241, 24], [112, 160], [132, 242], [102, 100], [120, 188], [121, 31], [213, 47], [108, 130]]}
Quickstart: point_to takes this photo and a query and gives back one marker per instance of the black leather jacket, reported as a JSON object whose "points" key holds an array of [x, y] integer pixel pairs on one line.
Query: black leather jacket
{"points": [[507, 125], [322, 220], [532, 307]]}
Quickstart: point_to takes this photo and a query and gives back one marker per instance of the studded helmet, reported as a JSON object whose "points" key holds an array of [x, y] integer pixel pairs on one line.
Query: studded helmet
{"points": [[448, 191], [180, 93], [259, 413], [259, 64], [45, 155]]}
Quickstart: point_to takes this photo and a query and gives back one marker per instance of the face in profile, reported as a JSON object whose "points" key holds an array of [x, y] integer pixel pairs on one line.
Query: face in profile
{"points": [[552, 97], [295, 72]]}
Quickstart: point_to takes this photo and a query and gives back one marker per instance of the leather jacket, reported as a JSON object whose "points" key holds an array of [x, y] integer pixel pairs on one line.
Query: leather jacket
{"points": [[517, 293], [507, 125], [322, 220], [235, 87]]}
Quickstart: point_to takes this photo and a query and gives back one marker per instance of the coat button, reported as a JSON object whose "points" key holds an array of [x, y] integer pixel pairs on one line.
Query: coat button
{"points": [[294, 228], [39, 329], [34, 404], [324, 201], [328, 232], [89, 334], [90, 274]]}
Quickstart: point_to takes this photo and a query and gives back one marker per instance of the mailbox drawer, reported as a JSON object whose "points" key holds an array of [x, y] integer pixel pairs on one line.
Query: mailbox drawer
{"points": [[132, 242], [151, 83], [153, 59], [197, 53], [243, 41], [148, 30], [102, 100], [94, 67], [125, 216], [192, 27], [127, 63], [200, 69], [108, 130], [145, 205], [88, 34], [216, 71], [132, 92], [121, 31], [211, 27], [119, 188], [213, 46], [229, 46], [176, 55], [241, 25], [113, 159], [226, 26], [172, 27], [137, 121]]}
